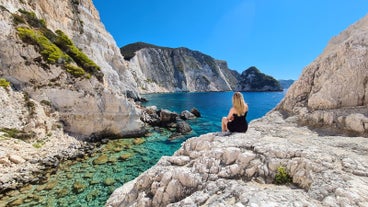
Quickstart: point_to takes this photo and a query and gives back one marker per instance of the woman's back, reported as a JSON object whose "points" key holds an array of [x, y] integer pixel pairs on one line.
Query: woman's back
{"points": [[239, 123]]}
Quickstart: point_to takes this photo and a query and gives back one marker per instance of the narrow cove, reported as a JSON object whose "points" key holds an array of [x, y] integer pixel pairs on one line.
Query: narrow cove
{"points": [[90, 181]]}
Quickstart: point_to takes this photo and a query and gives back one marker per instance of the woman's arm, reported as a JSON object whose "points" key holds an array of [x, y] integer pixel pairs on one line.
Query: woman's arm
{"points": [[230, 116]]}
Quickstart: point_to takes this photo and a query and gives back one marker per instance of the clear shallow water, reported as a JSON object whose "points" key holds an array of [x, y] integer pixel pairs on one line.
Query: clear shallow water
{"points": [[85, 183]]}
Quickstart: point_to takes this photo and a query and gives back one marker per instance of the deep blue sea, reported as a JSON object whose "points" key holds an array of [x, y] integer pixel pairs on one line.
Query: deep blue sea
{"points": [[214, 105], [85, 183]]}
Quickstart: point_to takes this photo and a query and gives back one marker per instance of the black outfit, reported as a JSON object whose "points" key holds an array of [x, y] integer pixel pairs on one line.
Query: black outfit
{"points": [[238, 124]]}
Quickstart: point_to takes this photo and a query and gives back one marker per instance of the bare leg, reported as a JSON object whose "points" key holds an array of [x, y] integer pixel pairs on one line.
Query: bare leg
{"points": [[224, 124]]}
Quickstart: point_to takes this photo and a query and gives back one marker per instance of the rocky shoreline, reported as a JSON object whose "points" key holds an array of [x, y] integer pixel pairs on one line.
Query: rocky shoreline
{"points": [[23, 164], [240, 169]]}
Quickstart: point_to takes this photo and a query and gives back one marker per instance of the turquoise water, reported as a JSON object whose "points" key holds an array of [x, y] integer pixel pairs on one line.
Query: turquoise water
{"points": [[87, 183]]}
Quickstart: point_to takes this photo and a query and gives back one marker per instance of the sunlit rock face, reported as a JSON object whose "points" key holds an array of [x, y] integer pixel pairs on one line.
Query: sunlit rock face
{"points": [[159, 69], [86, 105], [332, 91]]}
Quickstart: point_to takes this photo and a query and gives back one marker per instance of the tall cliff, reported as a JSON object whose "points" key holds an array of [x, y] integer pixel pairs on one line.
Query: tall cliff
{"points": [[59, 52], [159, 69], [332, 92], [163, 69]]}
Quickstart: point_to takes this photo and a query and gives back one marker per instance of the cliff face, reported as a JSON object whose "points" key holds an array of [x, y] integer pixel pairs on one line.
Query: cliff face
{"points": [[91, 103], [162, 69], [158, 69], [332, 91]]}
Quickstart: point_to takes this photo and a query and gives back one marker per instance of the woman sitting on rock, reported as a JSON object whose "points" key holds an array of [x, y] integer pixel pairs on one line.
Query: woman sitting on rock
{"points": [[236, 119]]}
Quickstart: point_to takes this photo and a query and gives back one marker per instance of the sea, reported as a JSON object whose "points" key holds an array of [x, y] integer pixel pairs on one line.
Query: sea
{"points": [[86, 183]]}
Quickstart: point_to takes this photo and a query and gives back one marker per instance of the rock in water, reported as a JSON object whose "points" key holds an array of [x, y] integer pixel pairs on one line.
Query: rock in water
{"points": [[195, 112], [185, 115]]}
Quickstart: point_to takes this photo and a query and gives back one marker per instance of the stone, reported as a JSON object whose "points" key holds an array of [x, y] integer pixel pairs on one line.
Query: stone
{"points": [[183, 127], [16, 159], [150, 115], [185, 115], [109, 181], [138, 141], [125, 156], [357, 122], [195, 112], [167, 116], [179, 160], [79, 187], [102, 159]]}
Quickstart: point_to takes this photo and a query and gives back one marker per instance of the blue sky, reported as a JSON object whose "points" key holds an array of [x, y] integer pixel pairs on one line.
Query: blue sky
{"points": [[279, 37]]}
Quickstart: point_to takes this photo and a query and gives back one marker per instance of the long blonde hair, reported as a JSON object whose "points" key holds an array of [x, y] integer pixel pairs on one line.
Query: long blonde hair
{"points": [[239, 103]]}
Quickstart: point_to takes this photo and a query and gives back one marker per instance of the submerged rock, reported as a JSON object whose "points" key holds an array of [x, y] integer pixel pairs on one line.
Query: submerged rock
{"points": [[79, 186], [101, 160], [109, 181]]}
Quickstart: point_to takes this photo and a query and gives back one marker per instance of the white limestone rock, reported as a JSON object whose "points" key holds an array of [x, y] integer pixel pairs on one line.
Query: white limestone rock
{"points": [[332, 90], [239, 170], [86, 106]]}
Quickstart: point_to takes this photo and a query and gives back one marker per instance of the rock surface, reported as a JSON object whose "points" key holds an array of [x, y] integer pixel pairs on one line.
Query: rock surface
{"points": [[167, 119], [30, 140], [158, 69], [332, 92], [86, 106], [238, 170]]}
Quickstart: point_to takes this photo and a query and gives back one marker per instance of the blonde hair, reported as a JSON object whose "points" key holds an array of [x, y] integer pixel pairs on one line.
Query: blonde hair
{"points": [[239, 103]]}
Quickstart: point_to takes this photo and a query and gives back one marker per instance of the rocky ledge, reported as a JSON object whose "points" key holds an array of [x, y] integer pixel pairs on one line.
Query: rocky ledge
{"points": [[240, 170]]}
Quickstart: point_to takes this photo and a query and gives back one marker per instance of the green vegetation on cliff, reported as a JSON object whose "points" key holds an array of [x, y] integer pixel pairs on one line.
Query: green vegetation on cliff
{"points": [[4, 83], [128, 51], [55, 48], [49, 51], [17, 134]]}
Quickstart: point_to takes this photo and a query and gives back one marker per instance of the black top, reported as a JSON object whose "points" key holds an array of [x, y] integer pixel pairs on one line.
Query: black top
{"points": [[238, 124]]}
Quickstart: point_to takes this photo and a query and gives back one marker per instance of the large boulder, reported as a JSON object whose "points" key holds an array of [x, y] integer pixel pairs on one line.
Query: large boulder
{"points": [[335, 85]]}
